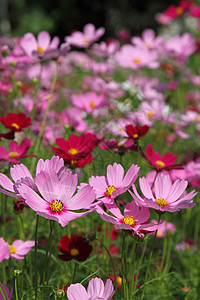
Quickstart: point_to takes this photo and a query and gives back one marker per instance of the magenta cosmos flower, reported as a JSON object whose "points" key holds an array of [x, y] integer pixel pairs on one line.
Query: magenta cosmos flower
{"points": [[20, 173], [89, 101], [96, 290], [133, 218], [55, 200], [164, 196], [17, 250], [43, 42], [159, 162], [108, 188], [16, 151]]}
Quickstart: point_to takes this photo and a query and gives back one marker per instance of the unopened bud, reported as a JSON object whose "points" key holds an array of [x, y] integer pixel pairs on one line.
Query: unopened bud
{"points": [[91, 236], [60, 293], [17, 273]]}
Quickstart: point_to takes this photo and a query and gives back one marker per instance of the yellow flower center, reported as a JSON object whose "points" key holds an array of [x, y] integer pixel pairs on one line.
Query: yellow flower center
{"points": [[85, 41], [135, 136], [161, 202], [12, 249], [150, 114], [13, 154], [179, 11], [159, 233], [160, 163], [196, 119], [40, 49], [128, 220], [73, 151], [74, 252], [15, 125], [92, 104], [110, 190], [56, 206], [121, 129], [136, 60]]}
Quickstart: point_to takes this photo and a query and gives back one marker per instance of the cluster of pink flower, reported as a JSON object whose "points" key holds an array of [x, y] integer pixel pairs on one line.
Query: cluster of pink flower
{"points": [[108, 116]]}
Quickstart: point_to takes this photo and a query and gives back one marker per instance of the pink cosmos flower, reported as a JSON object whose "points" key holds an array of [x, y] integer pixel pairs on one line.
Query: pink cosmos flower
{"points": [[164, 228], [89, 101], [135, 58], [4, 246], [148, 41], [56, 201], [17, 250], [20, 173], [108, 188], [166, 196], [133, 218], [85, 38], [96, 290], [16, 151], [105, 49], [43, 42]]}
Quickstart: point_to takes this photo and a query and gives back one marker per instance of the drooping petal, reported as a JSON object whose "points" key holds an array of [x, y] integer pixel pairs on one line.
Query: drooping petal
{"points": [[20, 171], [6, 183]]}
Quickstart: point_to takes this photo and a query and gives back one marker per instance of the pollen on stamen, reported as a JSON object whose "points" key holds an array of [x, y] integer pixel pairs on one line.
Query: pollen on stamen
{"points": [[73, 151], [92, 104], [74, 252], [161, 202], [129, 220], [15, 125], [12, 249], [136, 60], [40, 49], [13, 154], [56, 206], [110, 190], [160, 163]]}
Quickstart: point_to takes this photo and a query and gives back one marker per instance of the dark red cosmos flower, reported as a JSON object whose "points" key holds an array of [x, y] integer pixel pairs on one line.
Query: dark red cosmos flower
{"points": [[136, 132], [160, 162], [76, 152], [16, 122], [75, 247], [121, 147]]}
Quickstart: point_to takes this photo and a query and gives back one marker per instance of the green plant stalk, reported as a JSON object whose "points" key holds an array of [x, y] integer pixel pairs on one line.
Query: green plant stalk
{"points": [[149, 261], [196, 228], [140, 264], [133, 269], [123, 269], [16, 291], [74, 272], [111, 260], [39, 138], [50, 249], [169, 248], [35, 254]]}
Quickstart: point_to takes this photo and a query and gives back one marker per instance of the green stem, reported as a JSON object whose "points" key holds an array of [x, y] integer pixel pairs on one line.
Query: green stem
{"points": [[140, 264], [74, 272], [111, 260], [149, 261], [133, 269], [39, 138], [35, 253], [50, 250], [16, 292], [123, 270]]}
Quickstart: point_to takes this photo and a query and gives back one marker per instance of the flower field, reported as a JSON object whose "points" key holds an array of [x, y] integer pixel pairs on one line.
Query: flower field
{"points": [[100, 163]]}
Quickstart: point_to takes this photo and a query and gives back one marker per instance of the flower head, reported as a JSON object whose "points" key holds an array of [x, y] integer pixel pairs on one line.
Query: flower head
{"points": [[164, 196], [160, 162], [76, 152], [16, 122], [136, 132], [17, 250], [96, 290], [75, 247], [108, 188]]}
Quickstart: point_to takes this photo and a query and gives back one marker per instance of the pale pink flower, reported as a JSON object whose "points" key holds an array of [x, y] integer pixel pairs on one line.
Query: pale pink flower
{"points": [[5, 250], [96, 290], [148, 41], [135, 58], [105, 49], [165, 196], [89, 101], [17, 250], [56, 201], [108, 188], [85, 38], [164, 228], [43, 42], [134, 219], [21, 174]]}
